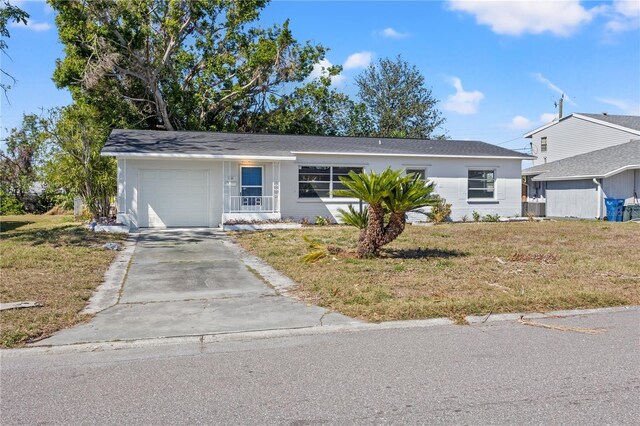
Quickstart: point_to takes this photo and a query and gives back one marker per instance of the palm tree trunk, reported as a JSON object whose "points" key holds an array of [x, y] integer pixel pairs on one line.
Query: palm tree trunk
{"points": [[397, 222], [372, 237]]}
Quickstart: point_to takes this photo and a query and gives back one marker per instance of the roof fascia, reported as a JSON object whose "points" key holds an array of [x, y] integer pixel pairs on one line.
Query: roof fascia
{"points": [[197, 156], [370, 154]]}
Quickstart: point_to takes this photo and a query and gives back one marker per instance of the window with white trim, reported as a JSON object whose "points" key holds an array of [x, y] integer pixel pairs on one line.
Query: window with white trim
{"points": [[543, 144], [481, 184], [321, 181]]}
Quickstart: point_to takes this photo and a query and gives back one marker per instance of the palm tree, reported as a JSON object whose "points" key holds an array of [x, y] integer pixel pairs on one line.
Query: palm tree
{"points": [[389, 195]]}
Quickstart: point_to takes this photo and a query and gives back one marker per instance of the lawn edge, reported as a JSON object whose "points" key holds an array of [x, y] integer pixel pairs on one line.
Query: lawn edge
{"points": [[107, 294]]}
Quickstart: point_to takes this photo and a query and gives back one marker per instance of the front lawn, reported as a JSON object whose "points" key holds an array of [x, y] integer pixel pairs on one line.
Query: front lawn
{"points": [[53, 261], [454, 270]]}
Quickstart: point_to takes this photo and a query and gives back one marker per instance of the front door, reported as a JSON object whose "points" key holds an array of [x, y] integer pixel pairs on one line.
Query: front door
{"points": [[251, 186]]}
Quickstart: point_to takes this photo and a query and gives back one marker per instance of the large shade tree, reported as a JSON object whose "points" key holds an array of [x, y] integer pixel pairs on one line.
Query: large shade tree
{"points": [[390, 195], [178, 64], [397, 100], [8, 13]]}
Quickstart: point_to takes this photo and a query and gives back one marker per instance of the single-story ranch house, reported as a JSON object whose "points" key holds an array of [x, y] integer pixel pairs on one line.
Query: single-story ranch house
{"points": [[205, 179]]}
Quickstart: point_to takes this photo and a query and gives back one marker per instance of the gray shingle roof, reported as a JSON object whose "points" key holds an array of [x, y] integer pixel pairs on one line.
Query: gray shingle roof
{"points": [[596, 164], [139, 142], [628, 121]]}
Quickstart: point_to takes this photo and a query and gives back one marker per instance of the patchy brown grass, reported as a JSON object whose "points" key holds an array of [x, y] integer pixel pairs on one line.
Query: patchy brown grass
{"points": [[53, 261], [454, 270]]}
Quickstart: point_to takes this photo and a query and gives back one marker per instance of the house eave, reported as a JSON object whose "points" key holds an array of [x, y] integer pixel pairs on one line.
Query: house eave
{"points": [[582, 117], [371, 154], [582, 177], [164, 155]]}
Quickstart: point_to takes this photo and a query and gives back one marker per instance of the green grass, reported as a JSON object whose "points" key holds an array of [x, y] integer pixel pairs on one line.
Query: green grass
{"points": [[53, 261], [454, 270]]}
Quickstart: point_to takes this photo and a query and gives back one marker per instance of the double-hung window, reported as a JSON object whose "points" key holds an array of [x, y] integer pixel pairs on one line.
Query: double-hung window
{"points": [[482, 184], [321, 181], [543, 144]]}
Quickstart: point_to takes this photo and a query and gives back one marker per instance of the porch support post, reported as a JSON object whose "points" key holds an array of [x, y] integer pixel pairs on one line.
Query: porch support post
{"points": [[224, 192], [279, 186]]}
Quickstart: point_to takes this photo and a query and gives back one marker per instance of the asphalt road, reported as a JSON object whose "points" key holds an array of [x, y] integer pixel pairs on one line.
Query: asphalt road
{"points": [[494, 373]]}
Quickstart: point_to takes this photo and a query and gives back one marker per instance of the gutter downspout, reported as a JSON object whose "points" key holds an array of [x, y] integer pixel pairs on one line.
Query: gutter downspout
{"points": [[599, 196]]}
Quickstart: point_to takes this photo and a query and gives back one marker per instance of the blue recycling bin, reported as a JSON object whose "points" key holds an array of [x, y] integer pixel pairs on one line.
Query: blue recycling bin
{"points": [[614, 209]]}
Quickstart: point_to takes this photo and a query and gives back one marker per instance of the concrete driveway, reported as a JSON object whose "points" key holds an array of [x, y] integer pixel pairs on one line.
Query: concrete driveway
{"points": [[191, 282]]}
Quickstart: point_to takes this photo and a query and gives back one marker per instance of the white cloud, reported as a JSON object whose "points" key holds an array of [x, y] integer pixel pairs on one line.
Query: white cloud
{"points": [[519, 17], [547, 117], [32, 25], [624, 16], [520, 123], [463, 102], [542, 79], [358, 60], [624, 106], [392, 33], [320, 69]]}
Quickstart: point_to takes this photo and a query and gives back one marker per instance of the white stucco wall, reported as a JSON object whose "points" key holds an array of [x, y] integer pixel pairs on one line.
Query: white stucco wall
{"points": [[449, 175], [574, 136]]}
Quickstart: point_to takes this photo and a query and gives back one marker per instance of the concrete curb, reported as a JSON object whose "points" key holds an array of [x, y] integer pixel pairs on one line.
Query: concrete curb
{"points": [[553, 314], [107, 293], [202, 339]]}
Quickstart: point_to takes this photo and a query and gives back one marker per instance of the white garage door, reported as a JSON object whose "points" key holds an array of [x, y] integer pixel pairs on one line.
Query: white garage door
{"points": [[174, 198]]}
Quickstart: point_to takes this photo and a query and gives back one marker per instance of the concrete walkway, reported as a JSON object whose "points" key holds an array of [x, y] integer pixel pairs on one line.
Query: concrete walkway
{"points": [[191, 282]]}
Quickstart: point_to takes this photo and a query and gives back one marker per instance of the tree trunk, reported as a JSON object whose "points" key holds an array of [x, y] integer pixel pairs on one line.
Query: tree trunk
{"points": [[397, 222], [373, 235]]}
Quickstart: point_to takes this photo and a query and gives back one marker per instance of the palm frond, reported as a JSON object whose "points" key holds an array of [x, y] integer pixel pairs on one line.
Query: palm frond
{"points": [[355, 218]]}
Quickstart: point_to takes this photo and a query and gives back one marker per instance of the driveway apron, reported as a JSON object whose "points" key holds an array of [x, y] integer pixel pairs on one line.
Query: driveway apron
{"points": [[187, 282]]}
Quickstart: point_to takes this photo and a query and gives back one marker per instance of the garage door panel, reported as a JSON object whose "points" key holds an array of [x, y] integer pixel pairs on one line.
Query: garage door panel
{"points": [[173, 198]]}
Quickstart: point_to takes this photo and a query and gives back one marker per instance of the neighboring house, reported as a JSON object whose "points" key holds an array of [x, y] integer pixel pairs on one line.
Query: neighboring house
{"points": [[169, 179], [579, 133], [577, 186], [582, 159]]}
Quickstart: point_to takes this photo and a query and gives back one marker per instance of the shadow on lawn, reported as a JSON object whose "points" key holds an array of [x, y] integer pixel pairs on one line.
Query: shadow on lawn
{"points": [[65, 235], [6, 226], [421, 253]]}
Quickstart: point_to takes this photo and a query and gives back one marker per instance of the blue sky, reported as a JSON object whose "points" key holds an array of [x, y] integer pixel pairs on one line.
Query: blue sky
{"points": [[496, 67]]}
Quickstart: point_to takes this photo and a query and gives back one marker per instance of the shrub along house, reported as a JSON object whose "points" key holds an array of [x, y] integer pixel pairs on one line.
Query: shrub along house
{"points": [[205, 179]]}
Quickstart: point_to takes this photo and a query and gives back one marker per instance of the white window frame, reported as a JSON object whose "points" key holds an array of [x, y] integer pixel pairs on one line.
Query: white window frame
{"points": [[494, 197], [331, 181], [252, 186], [544, 146]]}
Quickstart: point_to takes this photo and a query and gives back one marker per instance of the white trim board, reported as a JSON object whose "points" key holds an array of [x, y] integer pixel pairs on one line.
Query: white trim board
{"points": [[370, 154], [140, 155], [581, 177], [582, 117]]}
